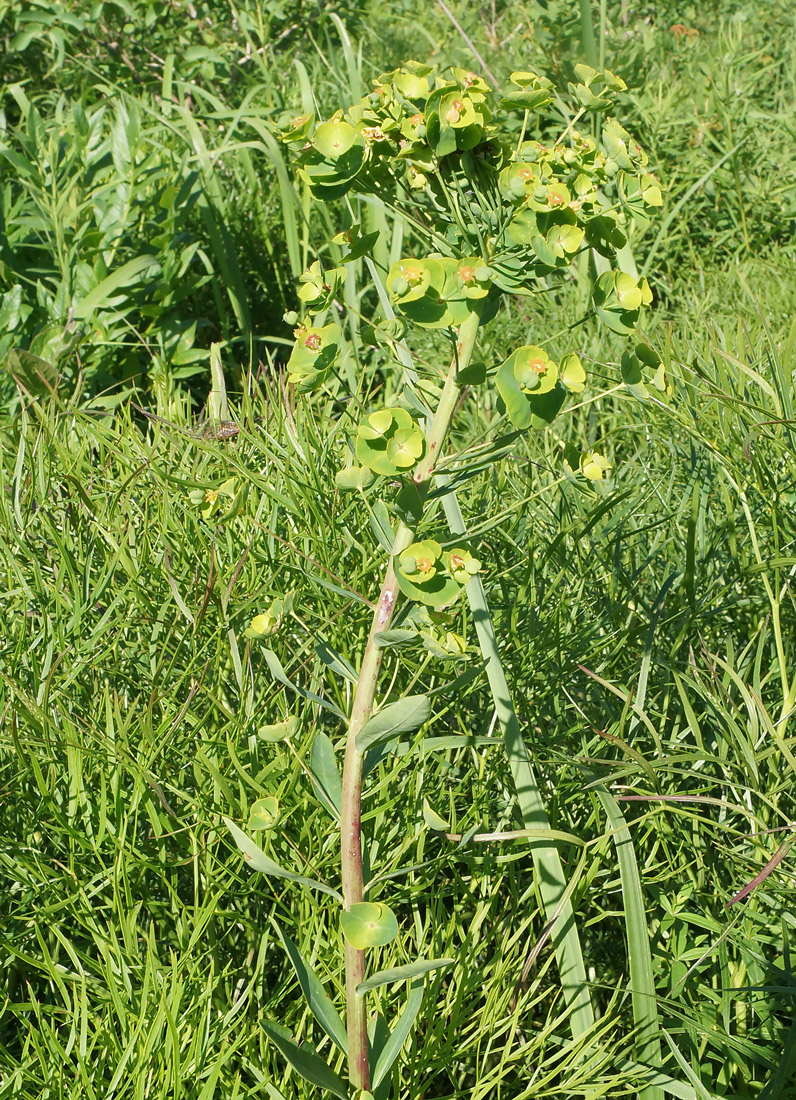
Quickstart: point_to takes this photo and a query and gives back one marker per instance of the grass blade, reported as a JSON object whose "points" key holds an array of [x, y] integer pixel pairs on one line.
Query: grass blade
{"points": [[642, 984], [546, 860]]}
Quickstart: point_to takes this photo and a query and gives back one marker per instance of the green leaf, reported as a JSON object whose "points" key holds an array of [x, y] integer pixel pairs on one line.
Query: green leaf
{"points": [[545, 409], [10, 308], [315, 995], [404, 716], [389, 441], [99, 297], [432, 818], [395, 637], [572, 373], [472, 375], [259, 861], [402, 973], [279, 674], [353, 478], [305, 1060], [368, 924], [273, 1092], [358, 243], [528, 99], [38, 376], [323, 766], [279, 731], [632, 376], [392, 1047], [335, 661], [642, 982], [409, 504], [543, 250]]}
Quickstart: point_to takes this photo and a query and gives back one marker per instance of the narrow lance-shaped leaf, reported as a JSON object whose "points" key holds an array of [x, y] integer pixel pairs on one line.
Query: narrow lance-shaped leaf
{"points": [[392, 1047], [316, 996], [123, 276], [335, 661], [404, 716], [403, 973], [305, 1060], [323, 767], [259, 861], [278, 673]]}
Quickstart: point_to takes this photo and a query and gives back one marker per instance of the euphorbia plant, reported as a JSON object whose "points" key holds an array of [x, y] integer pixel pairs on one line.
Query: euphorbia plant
{"points": [[495, 212]]}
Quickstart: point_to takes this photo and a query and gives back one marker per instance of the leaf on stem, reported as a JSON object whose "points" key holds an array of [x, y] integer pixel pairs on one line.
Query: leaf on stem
{"points": [[392, 1047], [404, 716], [279, 674], [323, 765], [259, 861], [402, 973], [315, 995], [305, 1060], [335, 661]]}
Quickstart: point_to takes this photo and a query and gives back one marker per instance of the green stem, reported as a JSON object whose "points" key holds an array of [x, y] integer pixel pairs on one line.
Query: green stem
{"points": [[587, 33], [351, 805]]}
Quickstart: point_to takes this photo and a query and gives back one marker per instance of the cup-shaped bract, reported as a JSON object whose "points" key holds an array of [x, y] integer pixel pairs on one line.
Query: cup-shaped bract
{"points": [[422, 577], [314, 354], [618, 298], [368, 924], [389, 442], [528, 384], [420, 561], [461, 564]]}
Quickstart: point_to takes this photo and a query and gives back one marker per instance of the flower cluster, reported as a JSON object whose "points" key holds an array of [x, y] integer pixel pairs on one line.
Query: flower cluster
{"points": [[507, 211], [433, 576]]}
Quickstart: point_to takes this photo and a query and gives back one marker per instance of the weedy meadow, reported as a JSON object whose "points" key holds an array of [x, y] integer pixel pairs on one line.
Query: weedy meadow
{"points": [[410, 715]]}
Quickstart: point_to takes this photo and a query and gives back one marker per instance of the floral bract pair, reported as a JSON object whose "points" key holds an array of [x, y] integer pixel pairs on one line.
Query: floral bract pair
{"points": [[430, 575], [533, 387], [315, 352], [439, 291], [389, 442]]}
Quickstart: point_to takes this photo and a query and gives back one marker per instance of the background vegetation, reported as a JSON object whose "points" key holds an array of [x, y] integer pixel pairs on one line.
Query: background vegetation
{"points": [[648, 622]]}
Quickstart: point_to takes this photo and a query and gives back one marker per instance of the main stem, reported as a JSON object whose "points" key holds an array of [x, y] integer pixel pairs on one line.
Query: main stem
{"points": [[351, 806]]}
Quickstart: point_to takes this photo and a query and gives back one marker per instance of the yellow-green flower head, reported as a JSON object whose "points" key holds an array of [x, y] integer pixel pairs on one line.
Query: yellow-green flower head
{"points": [[420, 561], [474, 277], [270, 620], [595, 466], [457, 110], [461, 564], [213, 499], [532, 368]]}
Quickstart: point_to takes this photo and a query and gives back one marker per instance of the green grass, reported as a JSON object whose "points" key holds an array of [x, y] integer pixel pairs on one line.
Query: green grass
{"points": [[645, 626]]}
